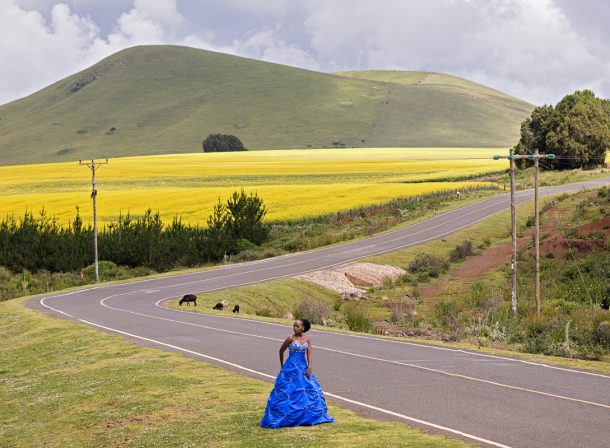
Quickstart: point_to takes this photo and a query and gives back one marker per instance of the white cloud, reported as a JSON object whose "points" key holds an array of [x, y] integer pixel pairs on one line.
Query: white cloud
{"points": [[268, 8], [35, 52], [148, 22], [535, 54], [526, 48], [536, 50], [268, 46]]}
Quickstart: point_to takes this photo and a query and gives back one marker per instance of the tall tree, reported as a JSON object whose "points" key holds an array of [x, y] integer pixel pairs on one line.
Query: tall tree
{"points": [[246, 215], [219, 241], [577, 130], [535, 128]]}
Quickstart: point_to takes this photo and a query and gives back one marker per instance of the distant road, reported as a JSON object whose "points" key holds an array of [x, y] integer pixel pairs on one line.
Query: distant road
{"points": [[484, 399]]}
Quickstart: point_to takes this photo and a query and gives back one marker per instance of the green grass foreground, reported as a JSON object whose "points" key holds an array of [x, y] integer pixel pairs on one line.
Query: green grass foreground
{"points": [[66, 385]]}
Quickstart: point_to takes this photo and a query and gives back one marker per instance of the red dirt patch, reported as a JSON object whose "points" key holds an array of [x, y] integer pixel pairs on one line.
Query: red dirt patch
{"points": [[472, 268], [553, 242], [556, 243]]}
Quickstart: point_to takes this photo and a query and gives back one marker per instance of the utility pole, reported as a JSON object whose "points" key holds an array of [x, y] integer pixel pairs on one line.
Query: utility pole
{"points": [[537, 232], [93, 165], [513, 236], [513, 219]]}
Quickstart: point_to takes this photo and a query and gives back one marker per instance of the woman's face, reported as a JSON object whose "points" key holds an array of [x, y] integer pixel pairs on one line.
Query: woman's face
{"points": [[298, 327]]}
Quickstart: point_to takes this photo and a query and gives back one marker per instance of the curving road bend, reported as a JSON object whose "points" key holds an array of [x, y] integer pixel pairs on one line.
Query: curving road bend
{"points": [[488, 400]]}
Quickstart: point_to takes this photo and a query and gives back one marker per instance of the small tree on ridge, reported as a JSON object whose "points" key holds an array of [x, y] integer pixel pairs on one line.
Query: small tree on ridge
{"points": [[222, 143]]}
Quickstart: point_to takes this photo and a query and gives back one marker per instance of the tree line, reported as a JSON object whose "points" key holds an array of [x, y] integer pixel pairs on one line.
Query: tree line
{"points": [[39, 242]]}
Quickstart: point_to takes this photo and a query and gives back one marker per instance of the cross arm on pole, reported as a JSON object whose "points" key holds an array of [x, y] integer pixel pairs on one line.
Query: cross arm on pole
{"points": [[525, 156], [93, 164]]}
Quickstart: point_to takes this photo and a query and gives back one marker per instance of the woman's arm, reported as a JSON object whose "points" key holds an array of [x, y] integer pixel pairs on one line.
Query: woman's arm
{"points": [[283, 348], [308, 371]]}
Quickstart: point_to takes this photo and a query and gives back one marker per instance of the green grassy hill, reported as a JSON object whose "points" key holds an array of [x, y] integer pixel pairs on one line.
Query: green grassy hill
{"points": [[167, 99], [433, 109]]}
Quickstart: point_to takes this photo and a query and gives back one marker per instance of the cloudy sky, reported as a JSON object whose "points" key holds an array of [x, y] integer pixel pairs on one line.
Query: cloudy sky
{"points": [[537, 50]]}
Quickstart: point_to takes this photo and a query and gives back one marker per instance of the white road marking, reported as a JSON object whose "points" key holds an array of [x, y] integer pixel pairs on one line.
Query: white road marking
{"points": [[424, 346], [358, 403], [372, 358], [53, 309]]}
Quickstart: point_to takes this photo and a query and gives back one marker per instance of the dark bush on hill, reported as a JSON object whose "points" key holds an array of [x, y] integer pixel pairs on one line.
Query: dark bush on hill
{"points": [[222, 143]]}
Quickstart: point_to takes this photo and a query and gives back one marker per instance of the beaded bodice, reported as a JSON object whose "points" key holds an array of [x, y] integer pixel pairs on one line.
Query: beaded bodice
{"points": [[297, 347]]}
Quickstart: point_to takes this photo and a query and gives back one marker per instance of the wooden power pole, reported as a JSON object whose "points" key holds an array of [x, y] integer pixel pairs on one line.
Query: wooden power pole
{"points": [[513, 220], [537, 232], [93, 165], [513, 235]]}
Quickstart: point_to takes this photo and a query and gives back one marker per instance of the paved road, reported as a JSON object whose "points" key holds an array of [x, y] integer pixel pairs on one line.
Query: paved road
{"points": [[484, 399]]}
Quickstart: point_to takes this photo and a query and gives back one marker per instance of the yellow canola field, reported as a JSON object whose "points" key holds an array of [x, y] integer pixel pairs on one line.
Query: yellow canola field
{"points": [[293, 183], [195, 204]]}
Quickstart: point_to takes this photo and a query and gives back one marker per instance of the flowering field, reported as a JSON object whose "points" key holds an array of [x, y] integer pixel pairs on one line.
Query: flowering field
{"points": [[293, 183]]}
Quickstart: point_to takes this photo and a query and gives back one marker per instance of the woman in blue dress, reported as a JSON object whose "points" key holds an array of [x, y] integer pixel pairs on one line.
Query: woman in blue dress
{"points": [[296, 399]]}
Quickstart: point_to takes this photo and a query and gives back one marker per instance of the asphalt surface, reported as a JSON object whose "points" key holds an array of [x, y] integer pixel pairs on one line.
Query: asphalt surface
{"points": [[486, 400]]}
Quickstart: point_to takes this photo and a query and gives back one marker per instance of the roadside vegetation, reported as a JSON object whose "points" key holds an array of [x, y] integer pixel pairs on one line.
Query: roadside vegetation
{"points": [[41, 244], [33, 250]]}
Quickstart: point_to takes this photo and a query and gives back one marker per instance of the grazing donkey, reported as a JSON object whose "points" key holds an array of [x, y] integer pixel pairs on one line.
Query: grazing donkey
{"points": [[188, 299], [219, 306]]}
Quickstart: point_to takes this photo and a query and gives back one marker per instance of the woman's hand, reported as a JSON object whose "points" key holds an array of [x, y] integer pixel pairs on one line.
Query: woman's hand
{"points": [[308, 372]]}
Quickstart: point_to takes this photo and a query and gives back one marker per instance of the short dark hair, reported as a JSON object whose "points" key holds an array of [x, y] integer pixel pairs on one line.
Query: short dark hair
{"points": [[306, 325]]}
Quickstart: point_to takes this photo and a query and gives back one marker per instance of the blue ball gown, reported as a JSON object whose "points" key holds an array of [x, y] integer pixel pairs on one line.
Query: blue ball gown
{"points": [[296, 400]]}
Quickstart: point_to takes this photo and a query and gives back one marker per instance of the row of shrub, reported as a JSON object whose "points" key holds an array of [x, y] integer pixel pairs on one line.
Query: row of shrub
{"points": [[40, 243], [49, 273], [32, 243]]}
